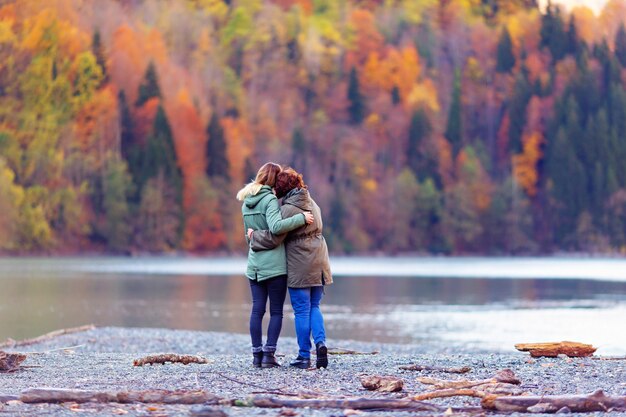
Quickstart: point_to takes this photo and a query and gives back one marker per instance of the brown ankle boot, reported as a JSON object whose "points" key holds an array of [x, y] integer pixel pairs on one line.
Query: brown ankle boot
{"points": [[269, 360]]}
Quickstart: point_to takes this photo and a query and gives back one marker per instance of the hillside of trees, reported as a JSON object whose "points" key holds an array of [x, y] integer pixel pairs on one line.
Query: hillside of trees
{"points": [[430, 126]]}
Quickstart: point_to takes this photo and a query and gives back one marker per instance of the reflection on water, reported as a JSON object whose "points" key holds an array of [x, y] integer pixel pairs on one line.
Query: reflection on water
{"points": [[440, 311]]}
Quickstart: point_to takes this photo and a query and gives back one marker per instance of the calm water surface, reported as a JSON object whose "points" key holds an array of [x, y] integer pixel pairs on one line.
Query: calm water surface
{"points": [[491, 303]]}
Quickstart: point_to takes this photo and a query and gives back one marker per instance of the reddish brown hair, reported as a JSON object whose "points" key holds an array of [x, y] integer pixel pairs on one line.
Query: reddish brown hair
{"points": [[287, 180]]}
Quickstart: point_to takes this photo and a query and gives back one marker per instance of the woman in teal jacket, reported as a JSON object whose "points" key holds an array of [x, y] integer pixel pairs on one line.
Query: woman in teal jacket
{"points": [[267, 270]]}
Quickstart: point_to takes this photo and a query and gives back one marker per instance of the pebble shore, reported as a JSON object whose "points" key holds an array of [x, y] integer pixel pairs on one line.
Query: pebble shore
{"points": [[102, 359]]}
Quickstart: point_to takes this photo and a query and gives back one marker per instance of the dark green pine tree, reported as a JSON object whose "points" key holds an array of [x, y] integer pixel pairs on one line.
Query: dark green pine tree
{"points": [[553, 35], [159, 155], [454, 127], [149, 87], [611, 69], [98, 51], [569, 187], [419, 129], [620, 45], [617, 112], [505, 58], [336, 218], [298, 150], [249, 172], [395, 95], [522, 92], [573, 43], [127, 138], [356, 100], [217, 161]]}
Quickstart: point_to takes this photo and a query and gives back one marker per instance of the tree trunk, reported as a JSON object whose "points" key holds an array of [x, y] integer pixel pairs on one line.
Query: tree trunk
{"points": [[60, 395], [462, 370], [553, 349], [351, 403], [596, 401]]}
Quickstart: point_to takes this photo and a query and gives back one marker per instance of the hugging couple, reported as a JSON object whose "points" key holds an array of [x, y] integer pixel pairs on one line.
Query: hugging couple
{"points": [[286, 250]]}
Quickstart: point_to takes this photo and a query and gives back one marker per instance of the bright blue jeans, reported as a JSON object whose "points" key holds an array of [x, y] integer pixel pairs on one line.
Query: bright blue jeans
{"points": [[306, 307]]}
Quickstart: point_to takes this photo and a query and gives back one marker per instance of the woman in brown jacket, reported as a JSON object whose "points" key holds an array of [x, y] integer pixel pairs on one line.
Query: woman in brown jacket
{"points": [[308, 266]]}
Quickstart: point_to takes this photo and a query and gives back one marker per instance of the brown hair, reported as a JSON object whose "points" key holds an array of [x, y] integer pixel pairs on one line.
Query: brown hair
{"points": [[287, 180], [266, 175]]}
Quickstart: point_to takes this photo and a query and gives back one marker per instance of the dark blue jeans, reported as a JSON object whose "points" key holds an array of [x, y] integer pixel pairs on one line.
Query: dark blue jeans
{"points": [[276, 290], [309, 319]]}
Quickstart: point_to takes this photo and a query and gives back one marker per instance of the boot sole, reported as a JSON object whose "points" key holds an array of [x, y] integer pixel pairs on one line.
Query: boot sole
{"points": [[303, 366], [322, 358], [269, 365]]}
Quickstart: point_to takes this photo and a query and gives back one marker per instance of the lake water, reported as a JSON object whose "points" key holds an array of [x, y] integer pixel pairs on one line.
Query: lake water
{"points": [[445, 303]]}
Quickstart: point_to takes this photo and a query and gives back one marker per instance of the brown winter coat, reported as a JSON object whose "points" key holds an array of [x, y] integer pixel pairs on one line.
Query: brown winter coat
{"points": [[307, 254]]}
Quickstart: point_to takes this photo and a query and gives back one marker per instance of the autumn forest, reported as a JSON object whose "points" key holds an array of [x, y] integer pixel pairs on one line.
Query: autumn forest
{"points": [[420, 126]]}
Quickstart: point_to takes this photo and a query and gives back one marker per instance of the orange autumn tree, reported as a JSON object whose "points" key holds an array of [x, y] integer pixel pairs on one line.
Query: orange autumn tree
{"points": [[525, 164]]}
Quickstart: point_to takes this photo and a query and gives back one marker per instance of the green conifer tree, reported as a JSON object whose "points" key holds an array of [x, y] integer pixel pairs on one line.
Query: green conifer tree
{"points": [[127, 139], [217, 161], [553, 35], [522, 92], [419, 129], [505, 58], [97, 48], [454, 126], [356, 100], [620, 44], [573, 43], [149, 87], [298, 150], [159, 155]]}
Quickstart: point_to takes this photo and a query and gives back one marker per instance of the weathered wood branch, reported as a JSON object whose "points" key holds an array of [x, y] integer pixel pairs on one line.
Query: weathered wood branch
{"points": [[10, 362], [351, 403], [597, 401], [450, 392], [553, 349], [170, 357], [340, 351], [7, 398], [60, 395], [610, 358], [479, 391], [462, 384], [382, 383], [47, 336], [463, 370], [505, 376]]}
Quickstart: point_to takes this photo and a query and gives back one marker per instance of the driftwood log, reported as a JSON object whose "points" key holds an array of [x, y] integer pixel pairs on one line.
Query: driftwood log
{"points": [[554, 349], [170, 357], [597, 401], [463, 370], [382, 383], [47, 336], [351, 403], [10, 362], [503, 382], [505, 376], [60, 395], [341, 351]]}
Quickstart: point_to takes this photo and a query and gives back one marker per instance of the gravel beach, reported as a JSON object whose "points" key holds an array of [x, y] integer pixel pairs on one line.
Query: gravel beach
{"points": [[102, 360]]}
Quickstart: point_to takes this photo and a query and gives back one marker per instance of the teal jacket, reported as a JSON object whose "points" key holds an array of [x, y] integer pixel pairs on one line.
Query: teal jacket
{"points": [[261, 212]]}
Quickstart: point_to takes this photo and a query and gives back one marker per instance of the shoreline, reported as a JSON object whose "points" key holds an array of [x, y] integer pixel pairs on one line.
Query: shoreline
{"points": [[102, 359], [593, 268]]}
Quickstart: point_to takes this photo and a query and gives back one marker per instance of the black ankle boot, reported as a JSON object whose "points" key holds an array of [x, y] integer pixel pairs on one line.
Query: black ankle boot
{"points": [[300, 362], [258, 357], [269, 360], [322, 355]]}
